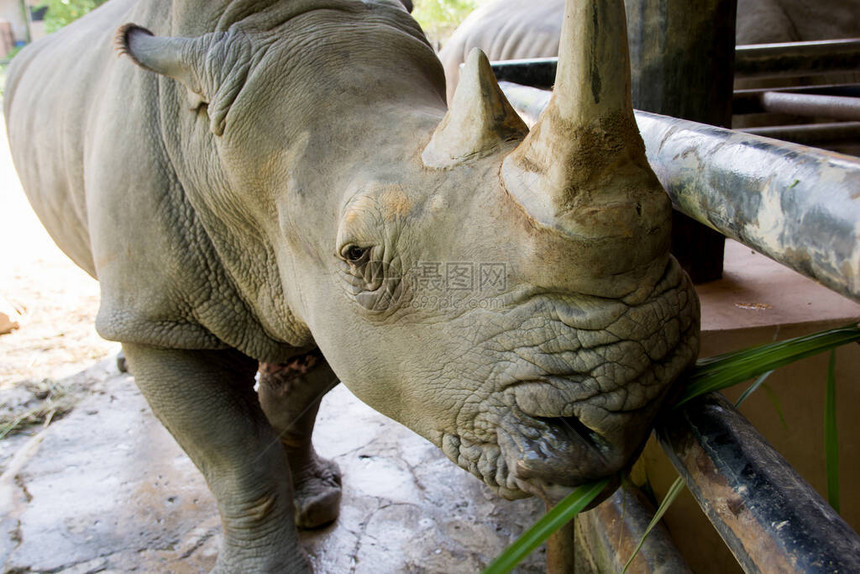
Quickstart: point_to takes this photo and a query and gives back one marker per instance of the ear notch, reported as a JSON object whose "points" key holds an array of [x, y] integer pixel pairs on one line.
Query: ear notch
{"points": [[213, 67]]}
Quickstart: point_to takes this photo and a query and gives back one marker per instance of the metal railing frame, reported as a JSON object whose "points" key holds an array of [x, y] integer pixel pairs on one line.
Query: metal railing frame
{"points": [[790, 59]]}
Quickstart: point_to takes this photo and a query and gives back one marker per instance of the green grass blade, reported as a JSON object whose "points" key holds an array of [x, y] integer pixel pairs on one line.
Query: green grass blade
{"points": [[558, 516], [670, 497], [831, 439], [777, 405], [753, 387], [723, 371]]}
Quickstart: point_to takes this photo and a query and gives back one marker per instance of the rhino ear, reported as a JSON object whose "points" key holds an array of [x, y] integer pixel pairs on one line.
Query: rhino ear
{"points": [[213, 67], [479, 122]]}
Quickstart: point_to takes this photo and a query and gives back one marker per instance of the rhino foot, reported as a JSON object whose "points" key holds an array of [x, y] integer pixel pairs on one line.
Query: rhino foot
{"points": [[290, 394], [230, 562], [317, 492], [121, 363]]}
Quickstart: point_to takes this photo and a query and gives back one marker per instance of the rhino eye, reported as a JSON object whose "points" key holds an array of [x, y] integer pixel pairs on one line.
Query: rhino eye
{"points": [[354, 253]]}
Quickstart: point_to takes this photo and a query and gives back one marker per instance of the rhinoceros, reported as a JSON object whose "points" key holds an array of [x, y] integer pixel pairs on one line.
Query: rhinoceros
{"points": [[280, 186], [517, 29]]}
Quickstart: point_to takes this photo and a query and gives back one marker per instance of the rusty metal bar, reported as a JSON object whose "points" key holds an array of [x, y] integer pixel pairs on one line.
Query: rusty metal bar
{"points": [[818, 135], [833, 107], [608, 534], [797, 205], [797, 58], [769, 517]]}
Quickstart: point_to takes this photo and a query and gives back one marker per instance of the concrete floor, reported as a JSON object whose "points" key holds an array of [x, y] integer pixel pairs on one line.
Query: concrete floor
{"points": [[106, 489]]}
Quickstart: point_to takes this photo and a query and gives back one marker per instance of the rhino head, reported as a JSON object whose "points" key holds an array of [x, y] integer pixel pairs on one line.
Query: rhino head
{"points": [[508, 294]]}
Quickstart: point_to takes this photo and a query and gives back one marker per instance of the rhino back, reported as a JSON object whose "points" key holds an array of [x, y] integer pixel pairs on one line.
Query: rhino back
{"points": [[54, 88], [766, 21]]}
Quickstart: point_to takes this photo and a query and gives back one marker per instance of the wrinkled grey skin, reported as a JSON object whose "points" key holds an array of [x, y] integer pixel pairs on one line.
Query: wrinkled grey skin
{"points": [[515, 29], [253, 190]]}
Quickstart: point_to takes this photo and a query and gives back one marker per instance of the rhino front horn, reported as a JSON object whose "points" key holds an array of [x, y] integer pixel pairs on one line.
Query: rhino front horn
{"points": [[586, 140], [480, 121]]}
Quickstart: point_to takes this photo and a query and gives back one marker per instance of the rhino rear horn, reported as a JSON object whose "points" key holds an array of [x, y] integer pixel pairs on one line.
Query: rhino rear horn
{"points": [[213, 67], [479, 122]]}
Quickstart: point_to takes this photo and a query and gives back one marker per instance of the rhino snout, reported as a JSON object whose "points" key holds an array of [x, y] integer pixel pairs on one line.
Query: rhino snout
{"points": [[577, 405]]}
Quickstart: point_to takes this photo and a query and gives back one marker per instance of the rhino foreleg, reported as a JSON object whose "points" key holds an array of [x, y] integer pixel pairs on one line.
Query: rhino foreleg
{"points": [[290, 395], [206, 400]]}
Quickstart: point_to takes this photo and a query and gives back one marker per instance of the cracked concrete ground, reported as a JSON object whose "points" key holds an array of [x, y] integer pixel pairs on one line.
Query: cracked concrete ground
{"points": [[106, 489]]}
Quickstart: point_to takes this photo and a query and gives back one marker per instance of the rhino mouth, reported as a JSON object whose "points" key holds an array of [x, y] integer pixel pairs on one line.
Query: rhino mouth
{"points": [[568, 452], [572, 429], [536, 454], [543, 430]]}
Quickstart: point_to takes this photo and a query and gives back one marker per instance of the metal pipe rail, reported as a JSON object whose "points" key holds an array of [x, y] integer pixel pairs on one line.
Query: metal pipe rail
{"points": [[817, 135], [533, 72], [788, 59], [793, 59], [769, 517], [798, 205], [749, 101], [608, 534], [833, 107]]}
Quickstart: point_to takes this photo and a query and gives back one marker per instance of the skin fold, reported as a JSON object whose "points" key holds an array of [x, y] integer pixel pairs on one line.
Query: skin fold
{"points": [[280, 187]]}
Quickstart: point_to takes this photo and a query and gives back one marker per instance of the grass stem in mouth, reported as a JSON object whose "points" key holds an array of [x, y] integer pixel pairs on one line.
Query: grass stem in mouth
{"points": [[561, 514]]}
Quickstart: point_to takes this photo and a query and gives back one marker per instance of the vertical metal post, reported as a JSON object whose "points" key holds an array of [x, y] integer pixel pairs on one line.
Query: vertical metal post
{"points": [[682, 60], [561, 548], [28, 21]]}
